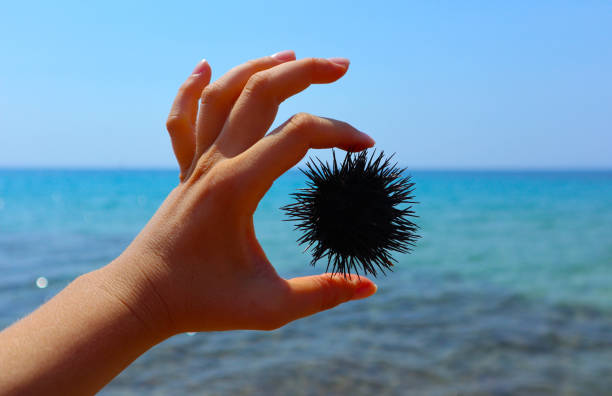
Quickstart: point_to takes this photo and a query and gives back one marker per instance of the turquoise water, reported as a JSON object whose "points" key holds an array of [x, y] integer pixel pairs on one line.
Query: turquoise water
{"points": [[508, 292]]}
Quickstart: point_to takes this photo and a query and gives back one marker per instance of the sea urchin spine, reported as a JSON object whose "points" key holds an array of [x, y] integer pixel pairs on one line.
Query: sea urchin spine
{"points": [[356, 213]]}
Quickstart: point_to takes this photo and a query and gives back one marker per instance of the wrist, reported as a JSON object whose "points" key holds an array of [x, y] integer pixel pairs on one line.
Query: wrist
{"points": [[129, 290], [75, 343]]}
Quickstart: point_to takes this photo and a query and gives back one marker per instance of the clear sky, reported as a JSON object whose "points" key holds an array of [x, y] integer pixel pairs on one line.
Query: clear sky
{"points": [[445, 84]]}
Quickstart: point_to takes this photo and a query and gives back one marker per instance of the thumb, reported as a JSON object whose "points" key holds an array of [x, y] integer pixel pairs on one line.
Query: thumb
{"points": [[311, 294]]}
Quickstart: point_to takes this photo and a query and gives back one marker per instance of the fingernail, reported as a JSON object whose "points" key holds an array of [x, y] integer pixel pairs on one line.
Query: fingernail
{"points": [[284, 56], [200, 67], [340, 61], [365, 290]]}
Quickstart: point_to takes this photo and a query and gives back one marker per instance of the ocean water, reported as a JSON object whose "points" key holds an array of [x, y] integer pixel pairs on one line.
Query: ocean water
{"points": [[508, 292]]}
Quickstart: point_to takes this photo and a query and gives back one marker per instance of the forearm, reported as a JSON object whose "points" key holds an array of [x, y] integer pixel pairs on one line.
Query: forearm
{"points": [[197, 265], [74, 344]]}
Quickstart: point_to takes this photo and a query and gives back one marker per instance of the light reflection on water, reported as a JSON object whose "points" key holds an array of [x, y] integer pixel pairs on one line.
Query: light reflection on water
{"points": [[508, 291]]}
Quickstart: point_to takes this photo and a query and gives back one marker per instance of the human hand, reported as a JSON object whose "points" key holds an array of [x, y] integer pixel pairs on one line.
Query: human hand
{"points": [[197, 265]]}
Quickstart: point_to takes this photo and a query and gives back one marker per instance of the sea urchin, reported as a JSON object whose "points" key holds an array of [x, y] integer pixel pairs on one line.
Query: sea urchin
{"points": [[356, 213]]}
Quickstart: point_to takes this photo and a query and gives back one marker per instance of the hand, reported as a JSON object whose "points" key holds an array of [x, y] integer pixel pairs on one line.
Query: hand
{"points": [[197, 265]]}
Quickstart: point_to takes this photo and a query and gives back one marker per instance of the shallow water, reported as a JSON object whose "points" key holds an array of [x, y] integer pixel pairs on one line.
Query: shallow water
{"points": [[508, 292]]}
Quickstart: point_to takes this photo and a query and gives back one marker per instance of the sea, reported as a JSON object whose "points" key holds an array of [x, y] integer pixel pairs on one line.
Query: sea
{"points": [[508, 292]]}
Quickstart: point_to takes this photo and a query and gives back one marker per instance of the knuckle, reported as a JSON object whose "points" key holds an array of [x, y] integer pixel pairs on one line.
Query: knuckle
{"points": [[299, 128], [175, 122], [257, 84], [252, 65], [301, 122], [201, 167], [211, 94]]}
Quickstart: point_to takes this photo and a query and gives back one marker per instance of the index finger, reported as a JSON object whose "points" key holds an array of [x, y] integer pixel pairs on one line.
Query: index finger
{"points": [[278, 152]]}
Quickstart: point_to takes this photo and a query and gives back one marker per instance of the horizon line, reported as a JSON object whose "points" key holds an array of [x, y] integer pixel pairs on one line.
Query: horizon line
{"points": [[296, 168]]}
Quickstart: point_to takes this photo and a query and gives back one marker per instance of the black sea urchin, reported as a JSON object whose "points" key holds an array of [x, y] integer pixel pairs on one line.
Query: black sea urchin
{"points": [[355, 214]]}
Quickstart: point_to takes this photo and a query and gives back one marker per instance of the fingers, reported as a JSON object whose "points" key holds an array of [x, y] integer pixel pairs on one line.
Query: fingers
{"points": [[270, 157], [311, 294], [257, 105], [182, 117], [219, 97]]}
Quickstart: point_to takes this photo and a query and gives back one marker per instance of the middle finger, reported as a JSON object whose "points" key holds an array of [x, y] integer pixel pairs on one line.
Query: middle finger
{"points": [[219, 97], [258, 103]]}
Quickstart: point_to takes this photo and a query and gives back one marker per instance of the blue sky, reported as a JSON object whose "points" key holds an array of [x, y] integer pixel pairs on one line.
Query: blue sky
{"points": [[443, 84]]}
